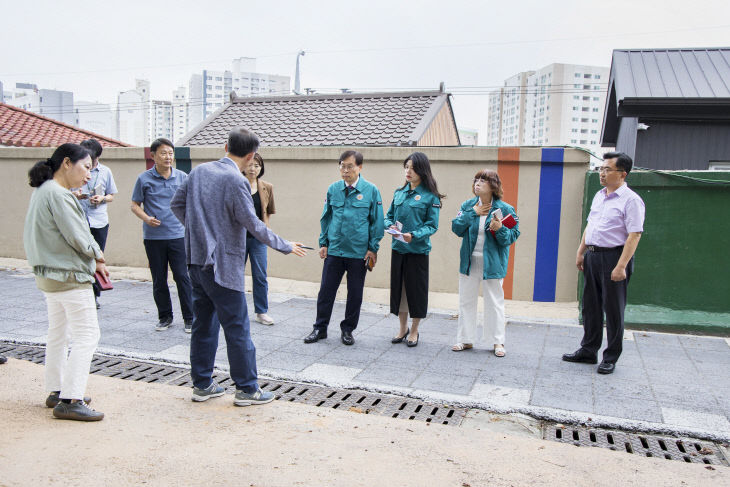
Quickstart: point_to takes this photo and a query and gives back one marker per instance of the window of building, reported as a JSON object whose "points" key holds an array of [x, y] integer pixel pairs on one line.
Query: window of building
{"points": [[594, 131], [575, 119], [575, 109], [209, 77], [586, 98], [575, 131], [576, 86], [583, 142], [595, 109], [597, 76], [594, 120], [587, 76], [576, 97], [586, 87], [573, 141], [583, 131], [577, 75], [583, 120], [595, 98], [218, 78], [585, 109]]}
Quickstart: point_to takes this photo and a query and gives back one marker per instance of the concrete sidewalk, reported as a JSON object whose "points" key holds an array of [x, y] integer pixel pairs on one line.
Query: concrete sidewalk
{"points": [[663, 382]]}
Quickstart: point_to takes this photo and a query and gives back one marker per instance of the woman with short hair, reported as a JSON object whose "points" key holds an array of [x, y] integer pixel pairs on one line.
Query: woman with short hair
{"points": [[485, 242], [414, 212], [64, 257]]}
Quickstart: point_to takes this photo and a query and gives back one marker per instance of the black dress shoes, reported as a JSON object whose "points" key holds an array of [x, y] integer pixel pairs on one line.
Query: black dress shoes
{"points": [[413, 344], [347, 338], [3, 359], [400, 339], [580, 356], [606, 368], [315, 335]]}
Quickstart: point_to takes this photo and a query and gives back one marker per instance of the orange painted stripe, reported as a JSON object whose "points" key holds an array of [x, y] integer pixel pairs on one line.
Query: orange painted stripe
{"points": [[508, 167]]}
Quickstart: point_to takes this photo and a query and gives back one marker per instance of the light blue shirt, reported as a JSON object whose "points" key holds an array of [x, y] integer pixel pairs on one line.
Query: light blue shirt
{"points": [[97, 215], [154, 193]]}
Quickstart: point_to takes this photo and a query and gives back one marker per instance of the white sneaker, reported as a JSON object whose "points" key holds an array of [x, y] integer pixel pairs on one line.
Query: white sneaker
{"points": [[264, 319]]}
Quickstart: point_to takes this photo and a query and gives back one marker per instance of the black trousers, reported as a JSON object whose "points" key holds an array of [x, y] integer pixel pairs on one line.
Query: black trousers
{"points": [[332, 272], [99, 235], [409, 271], [160, 254], [602, 295]]}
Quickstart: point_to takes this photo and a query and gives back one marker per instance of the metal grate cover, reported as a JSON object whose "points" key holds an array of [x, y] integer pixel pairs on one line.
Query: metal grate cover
{"points": [[684, 449]]}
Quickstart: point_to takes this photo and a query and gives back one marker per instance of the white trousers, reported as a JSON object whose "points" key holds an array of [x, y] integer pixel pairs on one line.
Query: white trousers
{"points": [[71, 317], [492, 327]]}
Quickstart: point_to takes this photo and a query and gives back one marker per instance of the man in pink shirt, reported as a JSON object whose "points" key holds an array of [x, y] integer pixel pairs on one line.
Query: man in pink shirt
{"points": [[606, 258]]}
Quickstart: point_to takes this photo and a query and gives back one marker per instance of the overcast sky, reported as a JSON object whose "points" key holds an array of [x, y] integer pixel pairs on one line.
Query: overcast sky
{"points": [[98, 48]]}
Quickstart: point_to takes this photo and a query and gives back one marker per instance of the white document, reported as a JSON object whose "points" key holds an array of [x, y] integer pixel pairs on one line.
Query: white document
{"points": [[396, 232]]}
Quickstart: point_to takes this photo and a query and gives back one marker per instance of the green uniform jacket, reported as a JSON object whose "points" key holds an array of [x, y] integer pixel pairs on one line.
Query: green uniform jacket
{"points": [[352, 223], [496, 247], [418, 210], [57, 239]]}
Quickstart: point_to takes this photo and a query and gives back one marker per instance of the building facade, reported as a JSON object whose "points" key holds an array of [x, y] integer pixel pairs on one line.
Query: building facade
{"points": [[559, 104], [55, 104], [95, 117], [211, 90]]}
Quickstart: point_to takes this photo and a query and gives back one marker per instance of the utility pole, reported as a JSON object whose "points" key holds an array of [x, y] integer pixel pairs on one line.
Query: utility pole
{"points": [[297, 89]]}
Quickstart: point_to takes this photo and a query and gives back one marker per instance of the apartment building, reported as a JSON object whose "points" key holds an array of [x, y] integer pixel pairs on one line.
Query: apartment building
{"points": [[211, 90], [559, 104]]}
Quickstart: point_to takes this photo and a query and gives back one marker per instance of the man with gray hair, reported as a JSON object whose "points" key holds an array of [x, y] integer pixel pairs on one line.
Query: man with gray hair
{"points": [[216, 208]]}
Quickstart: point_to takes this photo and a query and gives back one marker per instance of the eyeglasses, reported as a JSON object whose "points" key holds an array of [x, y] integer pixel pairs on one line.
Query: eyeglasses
{"points": [[608, 169], [347, 167]]}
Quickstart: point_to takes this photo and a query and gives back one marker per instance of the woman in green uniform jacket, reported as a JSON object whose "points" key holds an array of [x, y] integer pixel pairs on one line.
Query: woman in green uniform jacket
{"points": [[415, 213], [484, 254]]}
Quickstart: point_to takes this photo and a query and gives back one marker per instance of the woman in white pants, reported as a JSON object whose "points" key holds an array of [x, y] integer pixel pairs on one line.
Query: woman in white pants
{"points": [[483, 260], [64, 257]]}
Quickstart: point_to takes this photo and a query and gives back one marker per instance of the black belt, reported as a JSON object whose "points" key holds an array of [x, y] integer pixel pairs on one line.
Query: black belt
{"points": [[593, 248]]}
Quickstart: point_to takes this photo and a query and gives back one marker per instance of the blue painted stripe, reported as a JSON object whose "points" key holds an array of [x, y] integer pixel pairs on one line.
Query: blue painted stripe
{"points": [[548, 225]]}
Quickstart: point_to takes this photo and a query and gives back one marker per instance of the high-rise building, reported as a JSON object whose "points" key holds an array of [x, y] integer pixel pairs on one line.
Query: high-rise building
{"points": [[211, 90], [160, 120], [559, 104], [55, 104], [179, 114], [133, 114], [95, 117], [468, 136]]}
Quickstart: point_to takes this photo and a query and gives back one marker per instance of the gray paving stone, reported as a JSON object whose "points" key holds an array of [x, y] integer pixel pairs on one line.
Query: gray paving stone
{"points": [[382, 374], [521, 378], [401, 358], [448, 383], [561, 400], [612, 386], [557, 364], [286, 361], [625, 407], [705, 344]]}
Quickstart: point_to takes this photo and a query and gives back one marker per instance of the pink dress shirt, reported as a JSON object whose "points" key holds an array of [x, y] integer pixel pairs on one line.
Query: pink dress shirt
{"points": [[614, 216]]}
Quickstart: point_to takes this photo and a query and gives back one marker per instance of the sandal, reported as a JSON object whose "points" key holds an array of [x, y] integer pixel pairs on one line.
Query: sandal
{"points": [[461, 346], [499, 351]]}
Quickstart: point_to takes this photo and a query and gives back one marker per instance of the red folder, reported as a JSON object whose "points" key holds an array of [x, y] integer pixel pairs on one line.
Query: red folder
{"points": [[508, 221], [103, 281]]}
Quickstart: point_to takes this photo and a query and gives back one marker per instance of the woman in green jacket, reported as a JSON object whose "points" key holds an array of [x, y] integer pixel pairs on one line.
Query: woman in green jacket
{"points": [[64, 257], [414, 213], [483, 260]]}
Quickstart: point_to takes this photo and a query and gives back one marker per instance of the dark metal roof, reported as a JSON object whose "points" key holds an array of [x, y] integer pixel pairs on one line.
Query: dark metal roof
{"points": [[341, 119], [688, 83]]}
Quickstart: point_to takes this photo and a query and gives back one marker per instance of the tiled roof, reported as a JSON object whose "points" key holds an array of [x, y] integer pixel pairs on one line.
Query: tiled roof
{"points": [[22, 128], [345, 119], [672, 73]]}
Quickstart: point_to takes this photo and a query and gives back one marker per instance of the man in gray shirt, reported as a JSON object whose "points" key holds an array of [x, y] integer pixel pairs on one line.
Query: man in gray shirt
{"points": [[216, 207]]}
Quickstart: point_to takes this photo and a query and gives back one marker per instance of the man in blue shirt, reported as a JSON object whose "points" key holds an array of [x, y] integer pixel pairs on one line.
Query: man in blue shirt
{"points": [[94, 197], [164, 235], [352, 227]]}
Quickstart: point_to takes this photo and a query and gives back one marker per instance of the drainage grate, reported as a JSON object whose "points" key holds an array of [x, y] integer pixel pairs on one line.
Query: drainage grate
{"points": [[320, 396], [684, 449]]}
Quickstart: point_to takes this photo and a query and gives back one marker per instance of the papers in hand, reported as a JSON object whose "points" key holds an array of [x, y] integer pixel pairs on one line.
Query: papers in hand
{"points": [[396, 232]]}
